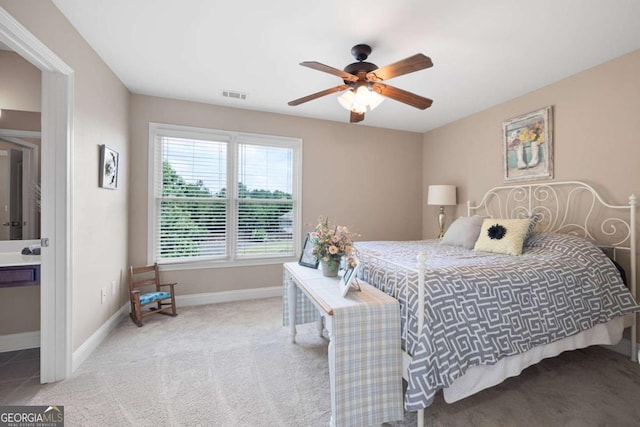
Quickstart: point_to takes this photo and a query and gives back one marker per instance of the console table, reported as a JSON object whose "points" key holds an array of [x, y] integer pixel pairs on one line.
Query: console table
{"points": [[365, 358]]}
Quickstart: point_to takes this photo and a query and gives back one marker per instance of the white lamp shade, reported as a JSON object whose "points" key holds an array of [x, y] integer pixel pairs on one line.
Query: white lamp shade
{"points": [[346, 99], [360, 100], [441, 195]]}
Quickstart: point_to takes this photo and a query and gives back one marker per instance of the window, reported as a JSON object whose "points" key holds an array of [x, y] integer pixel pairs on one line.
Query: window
{"points": [[220, 197]]}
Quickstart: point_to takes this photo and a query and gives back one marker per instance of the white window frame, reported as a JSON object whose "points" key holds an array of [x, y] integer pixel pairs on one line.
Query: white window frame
{"points": [[233, 139]]}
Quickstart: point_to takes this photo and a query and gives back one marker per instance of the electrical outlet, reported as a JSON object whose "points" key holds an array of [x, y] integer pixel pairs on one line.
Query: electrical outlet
{"points": [[113, 287], [103, 295]]}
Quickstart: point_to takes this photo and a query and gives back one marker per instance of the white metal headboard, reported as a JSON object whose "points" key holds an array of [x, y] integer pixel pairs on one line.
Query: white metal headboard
{"points": [[569, 207]]}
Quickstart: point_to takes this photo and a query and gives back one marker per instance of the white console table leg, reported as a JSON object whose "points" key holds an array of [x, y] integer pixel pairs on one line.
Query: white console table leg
{"points": [[320, 326], [332, 376], [291, 296]]}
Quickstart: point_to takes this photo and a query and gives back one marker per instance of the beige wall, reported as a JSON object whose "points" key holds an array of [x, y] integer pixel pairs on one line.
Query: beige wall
{"points": [[364, 177], [596, 137], [20, 120], [20, 83], [100, 217]]}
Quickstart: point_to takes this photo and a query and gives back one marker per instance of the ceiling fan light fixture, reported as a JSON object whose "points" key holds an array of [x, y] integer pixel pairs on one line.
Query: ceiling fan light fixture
{"points": [[346, 99], [360, 100], [362, 89], [375, 99]]}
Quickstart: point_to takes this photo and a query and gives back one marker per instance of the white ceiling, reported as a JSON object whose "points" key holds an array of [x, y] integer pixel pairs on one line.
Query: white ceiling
{"points": [[484, 52]]}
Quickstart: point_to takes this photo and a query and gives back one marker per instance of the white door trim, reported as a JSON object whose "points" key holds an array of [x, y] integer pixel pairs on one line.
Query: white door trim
{"points": [[56, 174]]}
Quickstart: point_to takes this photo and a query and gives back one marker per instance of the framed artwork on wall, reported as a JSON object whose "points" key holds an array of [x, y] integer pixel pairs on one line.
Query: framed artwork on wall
{"points": [[108, 168], [527, 142], [307, 258]]}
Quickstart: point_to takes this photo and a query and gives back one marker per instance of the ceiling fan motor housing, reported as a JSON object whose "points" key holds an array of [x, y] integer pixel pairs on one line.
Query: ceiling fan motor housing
{"points": [[360, 69], [361, 51]]}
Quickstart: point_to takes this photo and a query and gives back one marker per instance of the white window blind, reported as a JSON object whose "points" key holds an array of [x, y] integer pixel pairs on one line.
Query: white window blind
{"points": [[192, 215], [264, 200], [222, 197]]}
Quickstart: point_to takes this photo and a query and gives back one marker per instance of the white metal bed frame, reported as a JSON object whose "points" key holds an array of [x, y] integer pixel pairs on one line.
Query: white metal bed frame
{"points": [[569, 207], [557, 214]]}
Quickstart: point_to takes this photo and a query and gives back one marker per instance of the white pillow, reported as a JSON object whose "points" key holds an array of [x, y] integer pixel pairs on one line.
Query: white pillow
{"points": [[503, 236], [463, 232]]}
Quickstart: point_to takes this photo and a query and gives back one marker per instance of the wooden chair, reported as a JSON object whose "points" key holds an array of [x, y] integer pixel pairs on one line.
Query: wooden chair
{"points": [[140, 277]]}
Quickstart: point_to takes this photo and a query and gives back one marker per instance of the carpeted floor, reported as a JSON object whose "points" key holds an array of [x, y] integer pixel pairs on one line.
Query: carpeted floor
{"points": [[232, 365]]}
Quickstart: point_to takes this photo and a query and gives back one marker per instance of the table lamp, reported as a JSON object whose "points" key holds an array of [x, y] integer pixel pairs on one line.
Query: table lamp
{"points": [[441, 195]]}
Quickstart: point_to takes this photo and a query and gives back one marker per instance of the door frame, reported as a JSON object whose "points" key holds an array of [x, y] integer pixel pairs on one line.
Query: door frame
{"points": [[56, 185]]}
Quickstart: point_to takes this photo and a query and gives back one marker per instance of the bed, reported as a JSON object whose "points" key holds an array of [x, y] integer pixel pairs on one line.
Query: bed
{"points": [[471, 319]]}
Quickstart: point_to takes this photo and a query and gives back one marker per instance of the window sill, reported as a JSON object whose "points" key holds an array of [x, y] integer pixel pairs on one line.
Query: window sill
{"points": [[198, 265]]}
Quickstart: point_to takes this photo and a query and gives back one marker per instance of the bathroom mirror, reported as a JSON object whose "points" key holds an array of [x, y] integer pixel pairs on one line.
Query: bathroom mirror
{"points": [[19, 183]]}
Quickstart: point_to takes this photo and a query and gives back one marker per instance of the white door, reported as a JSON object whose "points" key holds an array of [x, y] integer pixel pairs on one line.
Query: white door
{"points": [[56, 267]]}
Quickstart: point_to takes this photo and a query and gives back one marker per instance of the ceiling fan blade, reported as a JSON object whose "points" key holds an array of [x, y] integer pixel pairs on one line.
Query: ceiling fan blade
{"points": [[356, 117], [318, 95], [325, 68], [408, 65], [402, 96]]}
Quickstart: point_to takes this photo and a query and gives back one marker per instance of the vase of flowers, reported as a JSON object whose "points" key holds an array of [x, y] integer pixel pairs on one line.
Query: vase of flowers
{"points": [[330, 244], [530, 136], [330, 268]]}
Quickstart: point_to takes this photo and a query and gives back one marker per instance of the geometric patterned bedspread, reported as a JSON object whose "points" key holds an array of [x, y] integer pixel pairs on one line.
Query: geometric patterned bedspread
{"points": [[481, 307]]}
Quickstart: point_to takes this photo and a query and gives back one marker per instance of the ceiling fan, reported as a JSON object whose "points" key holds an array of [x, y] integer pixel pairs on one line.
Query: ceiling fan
{"points": [[362, 81]]}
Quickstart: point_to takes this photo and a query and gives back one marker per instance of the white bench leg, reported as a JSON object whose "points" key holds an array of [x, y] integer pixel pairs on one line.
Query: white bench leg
{"points": [[320, 326], [291, 296]]}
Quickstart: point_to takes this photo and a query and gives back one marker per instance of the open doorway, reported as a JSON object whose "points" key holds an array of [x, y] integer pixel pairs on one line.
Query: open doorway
{"points": [[55, 295]]}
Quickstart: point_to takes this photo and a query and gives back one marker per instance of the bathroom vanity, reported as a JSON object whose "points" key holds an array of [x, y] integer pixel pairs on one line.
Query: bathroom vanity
{"points": [[19, 270]]}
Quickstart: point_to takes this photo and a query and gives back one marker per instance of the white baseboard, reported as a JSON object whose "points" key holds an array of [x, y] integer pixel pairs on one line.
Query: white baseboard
{"points": [[21, 341], [228, 296], [82, 353]]}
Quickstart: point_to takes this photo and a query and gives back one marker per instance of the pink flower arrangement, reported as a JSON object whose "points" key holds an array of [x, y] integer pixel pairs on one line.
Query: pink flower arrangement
{"points": [[331, 243]]}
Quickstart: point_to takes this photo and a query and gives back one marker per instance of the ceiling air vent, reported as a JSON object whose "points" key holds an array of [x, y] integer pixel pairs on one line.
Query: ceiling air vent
{"points": [[233, 94]]}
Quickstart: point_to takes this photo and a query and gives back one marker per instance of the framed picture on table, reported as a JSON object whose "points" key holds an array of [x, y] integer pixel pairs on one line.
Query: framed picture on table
{"points": [[307, 258], [349, 277]]}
